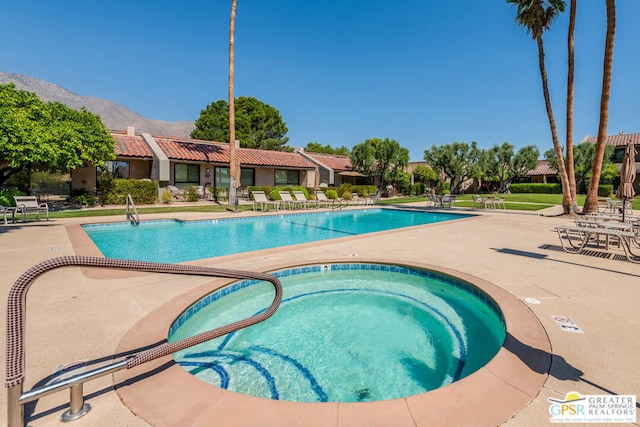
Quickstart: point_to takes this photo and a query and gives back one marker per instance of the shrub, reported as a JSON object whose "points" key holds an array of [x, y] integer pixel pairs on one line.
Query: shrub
{"points": [[6, 196], [192, 194], [83, 198], [143, 192], [166, 197], [274, 194], [605, 190], [536, 188], [331, 194]]}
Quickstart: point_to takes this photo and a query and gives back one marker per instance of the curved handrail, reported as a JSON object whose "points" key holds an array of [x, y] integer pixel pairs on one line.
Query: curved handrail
{"points": [[16, 307], [133, 217]]}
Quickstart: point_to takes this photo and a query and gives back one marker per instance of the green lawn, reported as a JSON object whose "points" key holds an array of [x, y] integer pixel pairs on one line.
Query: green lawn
{"points": [[528, 202], [516, 201]]}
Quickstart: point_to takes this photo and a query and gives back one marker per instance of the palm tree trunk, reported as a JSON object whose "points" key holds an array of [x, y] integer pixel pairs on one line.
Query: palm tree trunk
{"points": [[233, 199], [567, 206], [591, 203], [571, 174]]}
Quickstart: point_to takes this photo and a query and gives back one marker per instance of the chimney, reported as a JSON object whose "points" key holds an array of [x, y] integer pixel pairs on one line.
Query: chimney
{"points": [[131, 131]]}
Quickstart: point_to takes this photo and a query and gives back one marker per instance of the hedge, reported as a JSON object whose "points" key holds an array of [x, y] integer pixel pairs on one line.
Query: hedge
{"points": [[143, 192], [536, 188]]}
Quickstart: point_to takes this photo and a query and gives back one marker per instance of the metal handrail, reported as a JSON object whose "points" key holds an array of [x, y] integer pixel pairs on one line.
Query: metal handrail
{"points": [[130, 217], [16, 313]]}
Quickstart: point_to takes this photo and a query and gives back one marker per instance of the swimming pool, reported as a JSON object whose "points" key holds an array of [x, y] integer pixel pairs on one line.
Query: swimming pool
{"points": [[344, 333], [174, 241]]}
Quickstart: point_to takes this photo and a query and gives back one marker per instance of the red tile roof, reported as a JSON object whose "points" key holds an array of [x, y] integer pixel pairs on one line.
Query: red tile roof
{"points": [[332, 161], [619, 140], [543, 168], [218, 152], [131, 146]]}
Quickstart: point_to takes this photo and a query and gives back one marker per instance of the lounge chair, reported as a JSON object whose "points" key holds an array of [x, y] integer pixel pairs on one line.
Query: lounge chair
{"points": [[176, 192], [302, 199], [322, 200], [287, 201], [357, 200], [28, 204], [260, 199], [581, 239]]}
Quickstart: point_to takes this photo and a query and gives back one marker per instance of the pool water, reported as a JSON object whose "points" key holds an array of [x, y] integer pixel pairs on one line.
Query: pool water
{"points": [[174, 241], [344, 333]]}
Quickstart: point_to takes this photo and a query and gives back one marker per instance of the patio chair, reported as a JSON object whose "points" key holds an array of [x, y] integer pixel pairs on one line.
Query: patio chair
{"points": [[302, 199], [476, 201], [286, 200], [260, 199], [27, 204], [499, 203], [489, 202]]}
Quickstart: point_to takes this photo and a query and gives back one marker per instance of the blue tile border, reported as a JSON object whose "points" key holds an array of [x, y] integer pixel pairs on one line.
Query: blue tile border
{"points": [[315, 268]]}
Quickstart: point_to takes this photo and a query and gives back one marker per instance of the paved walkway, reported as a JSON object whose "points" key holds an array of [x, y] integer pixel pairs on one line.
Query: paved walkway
{"points": [[74, 315]]}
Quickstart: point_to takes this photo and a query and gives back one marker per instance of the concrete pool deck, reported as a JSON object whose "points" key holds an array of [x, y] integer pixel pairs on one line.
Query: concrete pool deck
{"points": [[89, 315]]}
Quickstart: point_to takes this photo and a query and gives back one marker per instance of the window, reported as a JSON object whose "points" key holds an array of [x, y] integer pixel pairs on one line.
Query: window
{"points": [[287, 177], [186, 174], [221, 178], [117, 169]]}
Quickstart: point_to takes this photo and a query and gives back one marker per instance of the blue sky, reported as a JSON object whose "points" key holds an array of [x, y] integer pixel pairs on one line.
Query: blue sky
{"points": [[421, 72]]}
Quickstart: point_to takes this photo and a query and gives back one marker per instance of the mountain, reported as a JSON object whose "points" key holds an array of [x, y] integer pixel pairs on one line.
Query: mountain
{"points": [[114, 116]]}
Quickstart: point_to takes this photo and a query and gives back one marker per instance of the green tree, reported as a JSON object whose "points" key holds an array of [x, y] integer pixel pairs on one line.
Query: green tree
{"points": [[458, 161], [379, 159], [591, 202], [583, 155], [536, 17], [316, 147], [424, 174], [48, 136], [507, 165], [257, 125]]}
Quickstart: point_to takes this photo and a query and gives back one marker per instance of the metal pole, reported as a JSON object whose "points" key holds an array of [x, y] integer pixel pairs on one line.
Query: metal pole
{"points": [[77, 407], [15, 410]]}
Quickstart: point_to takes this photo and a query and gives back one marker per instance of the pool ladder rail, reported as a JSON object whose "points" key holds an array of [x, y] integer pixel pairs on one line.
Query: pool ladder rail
{"points": [[132, 216], [16, 314]]}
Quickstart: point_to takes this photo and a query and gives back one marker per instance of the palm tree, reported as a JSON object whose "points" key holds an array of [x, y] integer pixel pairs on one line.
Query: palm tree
{"points": [[233, 166], [536, 17], [570, 89], [591, 203]]}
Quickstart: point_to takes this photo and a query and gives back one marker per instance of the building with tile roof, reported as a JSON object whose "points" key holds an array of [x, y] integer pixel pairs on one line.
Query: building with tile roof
{"points": [[183, 162], [333, 169]]}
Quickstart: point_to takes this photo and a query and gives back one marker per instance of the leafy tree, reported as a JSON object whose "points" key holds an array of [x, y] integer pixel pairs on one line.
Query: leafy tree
{"points": [[584, 154], [536, 17], [507, 165], [379, 159], [48, 136], [458, 161], [257, 125], [424, 174], [316, 147], [591, 202]]}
